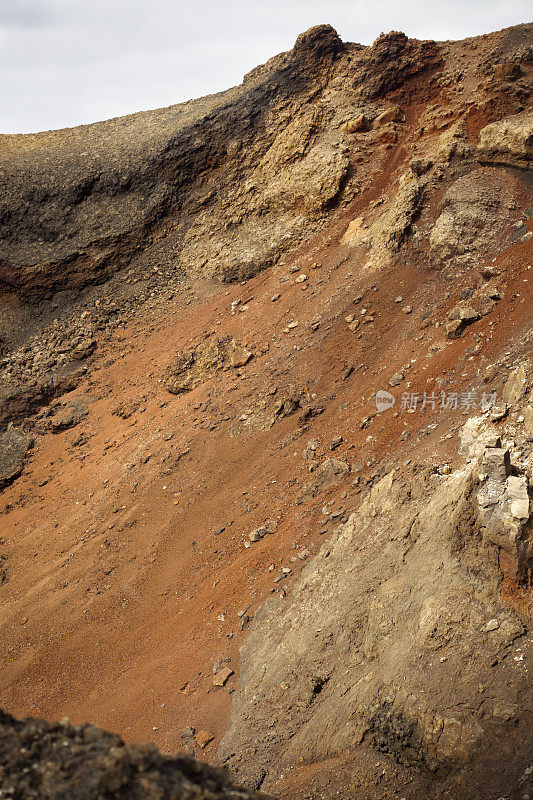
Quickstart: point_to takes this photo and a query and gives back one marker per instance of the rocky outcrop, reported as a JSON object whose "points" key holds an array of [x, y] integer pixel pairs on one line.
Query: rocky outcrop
{"points": [[453, 143], [505, 511], [395, 637], [232, 178], [14, 444], [393, 60], [392, 230], [80, 203], [54, 761], [473, 214], [508, 141]]}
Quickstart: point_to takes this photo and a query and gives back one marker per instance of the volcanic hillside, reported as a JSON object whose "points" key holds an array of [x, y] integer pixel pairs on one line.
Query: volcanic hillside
{"points": [[266, 423]]}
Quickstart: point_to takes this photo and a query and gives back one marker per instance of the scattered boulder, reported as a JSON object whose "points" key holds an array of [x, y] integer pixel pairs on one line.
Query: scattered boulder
{"points": [[357, 125], [396, 379], [203, 738], [257, 534], [200, 364], [222, 676], [354, 232], [266, 408], [240, 356], [392, 114], [459, 317]]}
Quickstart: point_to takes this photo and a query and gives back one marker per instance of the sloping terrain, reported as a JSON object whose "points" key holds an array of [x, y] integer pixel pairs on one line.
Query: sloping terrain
{"points": [[275, 345]]}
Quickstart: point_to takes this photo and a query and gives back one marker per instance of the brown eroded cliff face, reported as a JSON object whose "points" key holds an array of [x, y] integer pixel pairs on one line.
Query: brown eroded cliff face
{"points": [[78, 204], [266, 422]]}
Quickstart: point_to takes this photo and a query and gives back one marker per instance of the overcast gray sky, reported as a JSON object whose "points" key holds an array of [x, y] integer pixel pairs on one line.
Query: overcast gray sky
{"points": [[67, 62]]}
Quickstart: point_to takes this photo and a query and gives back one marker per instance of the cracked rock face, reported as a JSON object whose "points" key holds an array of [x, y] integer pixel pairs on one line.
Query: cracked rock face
{"points": [[385, 641], [474, 211], [14, 444]]}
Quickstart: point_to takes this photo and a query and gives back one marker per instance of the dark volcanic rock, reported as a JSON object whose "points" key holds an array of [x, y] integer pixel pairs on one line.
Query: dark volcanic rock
{"points": [[393, 59], [55, 762], [77, 204], [319, 43]]}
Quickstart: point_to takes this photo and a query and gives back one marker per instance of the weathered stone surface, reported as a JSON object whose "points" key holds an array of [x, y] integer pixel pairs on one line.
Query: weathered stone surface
{"points": [[392, 230], [392, 114], [360, 123], [504, 504], [508, 141], [240, 356], [453, 143], [393, 60], [368, 648], [396, 379], [354, 232], [67, 416], [222, 676], [266, 408], [528, 419], [14, 444], [518, 497], [474, 211]]}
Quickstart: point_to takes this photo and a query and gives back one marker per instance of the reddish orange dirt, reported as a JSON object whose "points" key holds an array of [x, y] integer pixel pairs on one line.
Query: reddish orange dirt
{"points": [[120, 596]]}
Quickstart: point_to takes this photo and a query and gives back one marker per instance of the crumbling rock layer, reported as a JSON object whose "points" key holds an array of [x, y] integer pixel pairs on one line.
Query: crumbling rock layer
{"points": [[77, 204], [473, 213], [396, 636], [233, 177], [223, 186], [42, 761]]}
